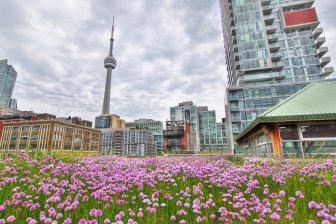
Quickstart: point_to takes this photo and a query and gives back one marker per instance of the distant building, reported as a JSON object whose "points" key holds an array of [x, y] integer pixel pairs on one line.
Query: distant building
{"points": [[45, 116], [109, 121], [13, 103], [203, 123], [156, 127], [5, 111], [75, 120], [187, 111], [179, 136], [7, 82], [48, 135], [127, 142], [211, 133], [304, 125]]}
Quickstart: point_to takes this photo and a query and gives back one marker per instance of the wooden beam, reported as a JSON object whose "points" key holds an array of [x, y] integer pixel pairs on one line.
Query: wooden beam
{"points": [[276, 142]]}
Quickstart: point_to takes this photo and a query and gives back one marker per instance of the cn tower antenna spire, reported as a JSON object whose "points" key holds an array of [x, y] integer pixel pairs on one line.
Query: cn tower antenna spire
{"points": [[112, 38], [109, 63]]}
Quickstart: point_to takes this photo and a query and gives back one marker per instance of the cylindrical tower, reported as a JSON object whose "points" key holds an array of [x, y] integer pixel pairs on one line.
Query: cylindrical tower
{"points": [[109, 63]]}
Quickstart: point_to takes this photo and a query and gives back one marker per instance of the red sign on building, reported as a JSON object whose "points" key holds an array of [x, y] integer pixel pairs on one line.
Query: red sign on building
{"points": [[300, 17]]}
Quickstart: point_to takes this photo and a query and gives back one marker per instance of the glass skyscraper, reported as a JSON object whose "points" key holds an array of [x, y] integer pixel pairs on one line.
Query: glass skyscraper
{"points": [[273, 49], [209, 134], [7, 82]]}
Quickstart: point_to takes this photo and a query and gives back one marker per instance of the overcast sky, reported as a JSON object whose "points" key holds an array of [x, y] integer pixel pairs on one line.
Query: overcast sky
{"points": [[167, 51]]}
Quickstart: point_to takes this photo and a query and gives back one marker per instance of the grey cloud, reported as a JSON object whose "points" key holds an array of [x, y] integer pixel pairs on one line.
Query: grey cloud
{"points": [[167, 51]]}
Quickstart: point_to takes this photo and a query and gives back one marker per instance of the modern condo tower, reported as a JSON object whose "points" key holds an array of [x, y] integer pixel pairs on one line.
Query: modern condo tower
{"points": [[273, 49], [104, 120], [7, 82]]}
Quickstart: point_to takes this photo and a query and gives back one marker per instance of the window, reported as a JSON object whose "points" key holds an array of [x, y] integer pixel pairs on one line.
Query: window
{"points": [[36, 127], [25, 128], [319, 131], [289, 132]]}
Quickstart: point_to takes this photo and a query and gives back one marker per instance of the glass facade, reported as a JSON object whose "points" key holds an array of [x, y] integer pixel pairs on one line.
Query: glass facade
{"points": [[7, 82], [103, 121], [267, 61], [209, 134]]}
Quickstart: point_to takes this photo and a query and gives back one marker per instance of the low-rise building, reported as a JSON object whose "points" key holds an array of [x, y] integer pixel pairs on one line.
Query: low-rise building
{"points": [[48, 135], [127, 142], [109, 121], [304, 125], [156, 127], [179, 136]]}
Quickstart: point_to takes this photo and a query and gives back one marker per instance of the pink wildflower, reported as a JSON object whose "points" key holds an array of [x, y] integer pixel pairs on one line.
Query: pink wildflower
{"points": [[275, 216], [10, 219]]}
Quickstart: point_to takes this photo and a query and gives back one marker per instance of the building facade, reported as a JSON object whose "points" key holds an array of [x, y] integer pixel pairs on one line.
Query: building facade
{"points": [[211, 133], [179, 136], [109, 121], [127, 142], [187, 111], [156, 127], [7, 82], [273, 49], [48, 135]]}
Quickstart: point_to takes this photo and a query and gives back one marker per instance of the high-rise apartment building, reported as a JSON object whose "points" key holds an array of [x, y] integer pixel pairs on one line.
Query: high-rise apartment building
{"points": [[156, 127], [273, 49], [211, 132], [209, 135], [7, 82]]}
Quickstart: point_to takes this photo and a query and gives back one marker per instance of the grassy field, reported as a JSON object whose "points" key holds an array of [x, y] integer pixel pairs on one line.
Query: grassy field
{"points": [[103, 189]]}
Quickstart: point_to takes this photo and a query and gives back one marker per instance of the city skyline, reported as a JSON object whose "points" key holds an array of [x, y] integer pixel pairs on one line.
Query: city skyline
{"points": [[168, 52]]}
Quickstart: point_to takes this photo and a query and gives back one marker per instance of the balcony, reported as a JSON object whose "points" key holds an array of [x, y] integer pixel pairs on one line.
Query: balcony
{"points": [[168, 133], [272, 38], [267, 9], [276, 56], [277, 65], [298, 4], [274, 47], [261, 77], [319, 42], [317, 32], [235, 119], [322, 51], [234, 40], [233, 31], [327, 71], [265, 2], [271, 29], [232, 21], [236, 57], [237, 65], [235, 48], [234, 108], [269, 19], [325, 61]]}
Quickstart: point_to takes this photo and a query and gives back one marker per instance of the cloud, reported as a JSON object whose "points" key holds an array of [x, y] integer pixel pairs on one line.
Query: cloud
{"points": [[167, 52]]}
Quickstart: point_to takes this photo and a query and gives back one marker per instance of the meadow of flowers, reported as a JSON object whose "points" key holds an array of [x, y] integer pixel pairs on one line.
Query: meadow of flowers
{"points": [[166, 190]]}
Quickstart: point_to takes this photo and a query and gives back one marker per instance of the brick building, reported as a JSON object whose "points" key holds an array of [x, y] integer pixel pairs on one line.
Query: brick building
{"points": [[47, 135]]}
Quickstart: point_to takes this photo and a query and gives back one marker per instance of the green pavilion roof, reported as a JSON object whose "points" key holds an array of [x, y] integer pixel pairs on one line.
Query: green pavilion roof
{"points": [[315, 102]]}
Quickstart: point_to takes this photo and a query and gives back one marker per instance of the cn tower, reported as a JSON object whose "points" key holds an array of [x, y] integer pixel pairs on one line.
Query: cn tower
{"points": [[109, 63]]}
